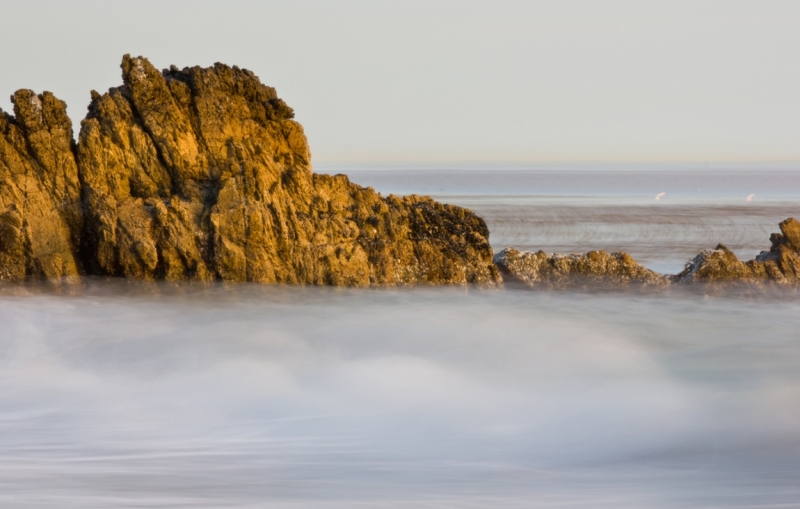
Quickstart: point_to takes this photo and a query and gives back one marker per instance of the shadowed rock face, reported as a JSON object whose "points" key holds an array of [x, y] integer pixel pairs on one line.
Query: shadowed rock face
{"points": [[781, 264], [565, 271], [201, 174], [41, 214]]}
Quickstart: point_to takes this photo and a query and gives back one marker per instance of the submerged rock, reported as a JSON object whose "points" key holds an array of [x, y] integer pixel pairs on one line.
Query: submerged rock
{"points": [[41, 214], [562, 271], [202, 174], [781, 264]]}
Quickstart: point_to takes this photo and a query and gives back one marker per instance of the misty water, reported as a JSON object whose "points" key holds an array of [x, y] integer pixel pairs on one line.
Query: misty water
{"points": [[120, 394]]}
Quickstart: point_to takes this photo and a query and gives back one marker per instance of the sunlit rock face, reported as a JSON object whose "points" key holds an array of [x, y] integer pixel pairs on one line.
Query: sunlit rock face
{"points": [[202, 174], [41, 214], [595, 269], [781, 264]]}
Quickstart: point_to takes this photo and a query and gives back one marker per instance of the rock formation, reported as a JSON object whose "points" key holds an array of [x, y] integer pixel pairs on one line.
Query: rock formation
{"points": [[41, 214], [781, 264], [565, 271], [201, 174]]}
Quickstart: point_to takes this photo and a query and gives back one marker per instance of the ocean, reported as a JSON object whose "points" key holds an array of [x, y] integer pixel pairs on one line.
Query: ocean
{"points": [[154, 395]]}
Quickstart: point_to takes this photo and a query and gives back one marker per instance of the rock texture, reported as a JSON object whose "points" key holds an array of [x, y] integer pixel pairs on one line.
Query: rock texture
{"points": [[565, 271], [41, 214], [202, 174], [781, 264]]}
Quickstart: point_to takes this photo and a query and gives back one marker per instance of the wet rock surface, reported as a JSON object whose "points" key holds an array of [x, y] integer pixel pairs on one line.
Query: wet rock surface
{"points": [[780, 265], [569, 271], [202, 174]]}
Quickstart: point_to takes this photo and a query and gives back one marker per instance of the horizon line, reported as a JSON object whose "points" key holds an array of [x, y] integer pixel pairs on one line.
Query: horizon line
{"points": [[710, 162]]}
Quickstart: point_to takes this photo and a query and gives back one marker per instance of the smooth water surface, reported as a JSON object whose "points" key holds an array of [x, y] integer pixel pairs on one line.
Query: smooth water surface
{"points": [[130, 395]]}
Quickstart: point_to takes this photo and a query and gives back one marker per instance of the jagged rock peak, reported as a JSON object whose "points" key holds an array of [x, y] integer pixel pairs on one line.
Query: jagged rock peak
{"points": [[41, 215], [780, 265], [202, 173], [595, 269]]}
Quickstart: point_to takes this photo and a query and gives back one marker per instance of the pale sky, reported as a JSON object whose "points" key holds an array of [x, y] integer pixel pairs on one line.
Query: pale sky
{"points": [[460, 80]]}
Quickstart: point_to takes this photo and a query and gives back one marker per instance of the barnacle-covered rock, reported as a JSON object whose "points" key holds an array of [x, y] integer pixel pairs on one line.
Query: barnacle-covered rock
{"points": [[594, 269]]}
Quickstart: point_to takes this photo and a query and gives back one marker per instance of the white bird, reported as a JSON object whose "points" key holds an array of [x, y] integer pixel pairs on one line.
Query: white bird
{"points": [[659, 195], [750, 197]]}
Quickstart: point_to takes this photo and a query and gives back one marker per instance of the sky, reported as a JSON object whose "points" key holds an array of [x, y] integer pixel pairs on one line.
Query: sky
{"points": [[463, 80]]}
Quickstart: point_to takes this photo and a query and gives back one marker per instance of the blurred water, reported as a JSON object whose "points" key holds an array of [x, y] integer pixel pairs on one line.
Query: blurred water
{"points": [[243, 396], [132, 395]]}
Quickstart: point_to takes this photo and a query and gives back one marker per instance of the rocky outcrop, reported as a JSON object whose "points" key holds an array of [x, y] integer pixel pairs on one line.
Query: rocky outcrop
{"points": [[41, 214], [781, 264], [202, 174], [594, 269]]}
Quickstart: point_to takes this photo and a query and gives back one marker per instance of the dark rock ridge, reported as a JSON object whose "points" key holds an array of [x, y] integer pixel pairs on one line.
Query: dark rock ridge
{"points": [[202, 174], [569, 271], [780, 265]]}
